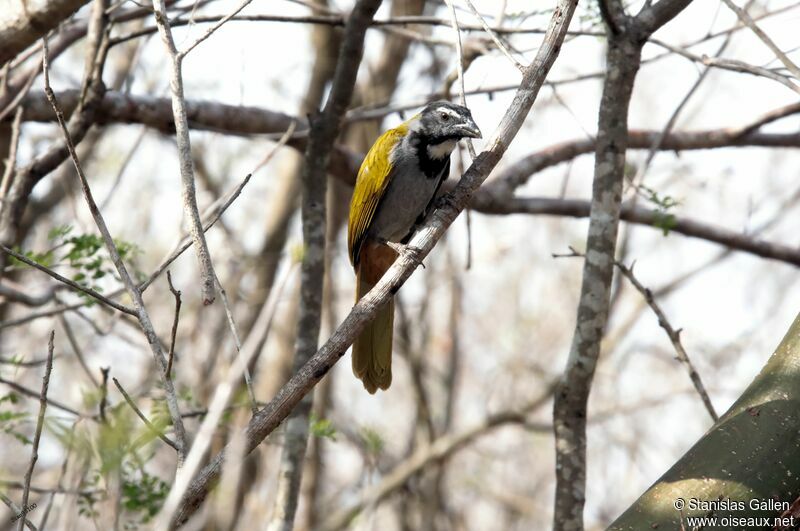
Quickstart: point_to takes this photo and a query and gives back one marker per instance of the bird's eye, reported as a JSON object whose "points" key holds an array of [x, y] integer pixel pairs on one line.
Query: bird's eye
{"points": [[444, 116]]}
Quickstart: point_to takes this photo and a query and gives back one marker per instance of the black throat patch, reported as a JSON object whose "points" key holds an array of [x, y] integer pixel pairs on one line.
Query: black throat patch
{"points": [[432, 168]]}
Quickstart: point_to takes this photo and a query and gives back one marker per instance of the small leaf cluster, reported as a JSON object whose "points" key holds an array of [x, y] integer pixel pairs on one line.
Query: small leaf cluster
{"points": [[10, 420], [664, 218], [142, 493], [322, 428], [84, 254], [373, 441]]}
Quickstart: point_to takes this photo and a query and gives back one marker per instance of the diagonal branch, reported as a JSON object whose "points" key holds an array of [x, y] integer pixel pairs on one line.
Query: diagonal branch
{"points": [[74, 285], [131, 287], [748, 21], [21, 27], [39, 424], [674, 337], [432, 230]]}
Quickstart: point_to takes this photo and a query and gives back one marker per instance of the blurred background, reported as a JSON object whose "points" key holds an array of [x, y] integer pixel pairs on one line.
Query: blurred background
{"points": [[483, 330]]}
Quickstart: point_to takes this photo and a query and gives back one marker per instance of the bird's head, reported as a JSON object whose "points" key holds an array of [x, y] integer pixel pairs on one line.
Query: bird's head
{"points": [[441, 121]]}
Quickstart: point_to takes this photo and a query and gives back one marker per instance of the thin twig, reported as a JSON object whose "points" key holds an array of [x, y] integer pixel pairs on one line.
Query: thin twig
{"points": [[177, 295], [748, 21], [674, 337], [74, 285], [248, 381], [214, 28], [11, 161], [191, 211], [104, 393], [17, 511], [494, 37], [155, 431], [73, 342], [134, 292], [51, 401], [39, 424], [70, 445], [460, 68]]}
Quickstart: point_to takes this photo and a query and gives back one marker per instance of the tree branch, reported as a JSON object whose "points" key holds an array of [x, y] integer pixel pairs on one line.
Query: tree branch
{"points": [[324, 132], [623, 58], [191, 211], [431, 231], [579, 208], [131, 287], [39, 424], [21, 27]]}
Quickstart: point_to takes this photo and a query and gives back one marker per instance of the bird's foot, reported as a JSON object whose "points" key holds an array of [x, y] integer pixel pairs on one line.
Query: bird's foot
{"points": [[409, 251], [444, 200]]}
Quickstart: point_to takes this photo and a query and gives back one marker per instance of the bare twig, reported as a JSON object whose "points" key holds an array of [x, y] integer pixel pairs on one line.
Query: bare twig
{"points": [[104, 393], [134, 292], [430, 232], [74, 285], [19, 513], [51, 401], [502, 47], [730, 64], [674, 337], [39, 424], [11, 161], [578, 208], [460, 67], [437, 451], [73, 342], [177, 295], [248, 381], [207, 275], [212, 29], [748, 21], [15, 295], [155, 431]]}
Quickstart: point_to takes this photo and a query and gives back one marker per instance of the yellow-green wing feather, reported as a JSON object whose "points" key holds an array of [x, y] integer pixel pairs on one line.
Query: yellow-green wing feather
{"points": [[371, 183]]}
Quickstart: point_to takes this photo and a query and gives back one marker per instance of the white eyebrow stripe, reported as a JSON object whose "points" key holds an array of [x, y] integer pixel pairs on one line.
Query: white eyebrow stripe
{"points": [[451, 112]]}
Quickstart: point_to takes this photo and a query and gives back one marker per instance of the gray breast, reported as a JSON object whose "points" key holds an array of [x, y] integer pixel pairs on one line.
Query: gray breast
{"points": [[406, 197]]}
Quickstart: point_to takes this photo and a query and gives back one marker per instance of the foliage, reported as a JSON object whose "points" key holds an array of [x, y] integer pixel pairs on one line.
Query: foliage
{"points": [[664, 218], [142, 493], [322, 428], [373, 441], [10, 420], [84, 254]]}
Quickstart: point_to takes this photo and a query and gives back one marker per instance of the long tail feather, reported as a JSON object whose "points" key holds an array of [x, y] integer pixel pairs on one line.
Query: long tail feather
{"points": [[372, 349]]}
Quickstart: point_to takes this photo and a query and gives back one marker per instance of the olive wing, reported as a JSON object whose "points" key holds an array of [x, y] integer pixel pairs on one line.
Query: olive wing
{"points": [[371, 183]]}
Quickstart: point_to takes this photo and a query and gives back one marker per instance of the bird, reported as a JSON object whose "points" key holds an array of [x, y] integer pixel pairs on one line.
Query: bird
{"points": [[394, 191]]}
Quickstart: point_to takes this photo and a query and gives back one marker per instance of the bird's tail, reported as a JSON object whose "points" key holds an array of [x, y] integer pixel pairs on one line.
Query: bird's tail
{"points": [[372, 349]]}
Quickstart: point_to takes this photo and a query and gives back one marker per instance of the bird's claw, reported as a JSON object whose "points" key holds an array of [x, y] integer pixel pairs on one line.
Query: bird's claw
{"points": [[444, 200], [409, 251]]}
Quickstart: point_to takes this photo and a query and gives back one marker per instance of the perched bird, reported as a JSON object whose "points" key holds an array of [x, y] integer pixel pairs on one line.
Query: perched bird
{"points": [[395, 188]]}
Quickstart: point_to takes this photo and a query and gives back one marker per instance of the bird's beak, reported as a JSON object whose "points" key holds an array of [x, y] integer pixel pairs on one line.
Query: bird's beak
{"points": [[470, 130]]}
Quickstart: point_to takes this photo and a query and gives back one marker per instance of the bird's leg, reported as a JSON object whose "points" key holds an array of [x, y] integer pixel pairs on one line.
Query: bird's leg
{"points": [[406, 250]]}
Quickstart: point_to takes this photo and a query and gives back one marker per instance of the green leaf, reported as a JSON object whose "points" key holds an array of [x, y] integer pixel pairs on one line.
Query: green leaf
{"points": [[59, 232], [322, 428], [372, 441]]}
